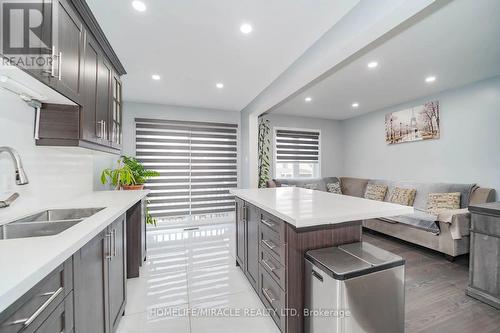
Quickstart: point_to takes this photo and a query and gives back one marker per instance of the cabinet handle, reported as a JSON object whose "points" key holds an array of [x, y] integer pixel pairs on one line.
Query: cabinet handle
{"points": [[269, 244], [108, 246], [269, 224], [268, 295], [245, 213], [52, 64], [114, 242], [31, 319], [271, 268], [100, 128], [59, 65]]}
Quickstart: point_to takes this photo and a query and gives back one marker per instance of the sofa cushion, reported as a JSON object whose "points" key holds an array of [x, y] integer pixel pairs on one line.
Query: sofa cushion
{"points": [[353, 186], [375, 192], [311, 186], [403, 196], [321, 182], [441, 201], [334, 188]]}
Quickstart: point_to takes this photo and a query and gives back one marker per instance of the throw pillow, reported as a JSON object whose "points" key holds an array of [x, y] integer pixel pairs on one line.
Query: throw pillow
{"points": [[403, 196], [437, 202], [375, 192], [311, 186], [334, 188]]}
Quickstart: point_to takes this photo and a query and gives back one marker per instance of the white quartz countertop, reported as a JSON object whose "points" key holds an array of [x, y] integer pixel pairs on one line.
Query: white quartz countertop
{"points": [[26, 261], [304, 208]]}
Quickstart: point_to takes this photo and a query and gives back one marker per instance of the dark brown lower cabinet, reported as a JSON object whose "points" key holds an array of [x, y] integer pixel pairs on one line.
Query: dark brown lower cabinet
{"points": [[136, 239], [271, 254], [47, 307], [86, 294], [252, 252], [100, 281]]}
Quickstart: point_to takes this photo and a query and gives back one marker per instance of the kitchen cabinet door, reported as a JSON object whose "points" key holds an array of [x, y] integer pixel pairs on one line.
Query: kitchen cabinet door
{"points": [[91, 285], [68, 39], [117, 272], [240, 232], [104, 76], [252, 250], [115, 114], [90, 129]]}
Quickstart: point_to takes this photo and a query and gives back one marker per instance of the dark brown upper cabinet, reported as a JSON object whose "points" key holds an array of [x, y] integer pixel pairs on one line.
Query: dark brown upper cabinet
{"points": [[87, 71], [68, 43]]}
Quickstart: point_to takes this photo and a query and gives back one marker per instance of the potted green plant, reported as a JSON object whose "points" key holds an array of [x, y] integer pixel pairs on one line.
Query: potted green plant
{"points": [[129, 175], [139, 172]]}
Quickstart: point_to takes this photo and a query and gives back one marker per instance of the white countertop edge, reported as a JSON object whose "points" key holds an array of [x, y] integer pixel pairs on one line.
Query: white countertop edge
{"points": [[44, 268], [314, 222]]}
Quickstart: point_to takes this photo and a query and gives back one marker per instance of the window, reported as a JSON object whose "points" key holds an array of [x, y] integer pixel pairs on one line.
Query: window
{"points": [[197, 162], [297, 154]]}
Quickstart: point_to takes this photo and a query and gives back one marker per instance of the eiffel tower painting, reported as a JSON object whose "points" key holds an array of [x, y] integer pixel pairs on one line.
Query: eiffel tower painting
{"points": [[417, 123]]}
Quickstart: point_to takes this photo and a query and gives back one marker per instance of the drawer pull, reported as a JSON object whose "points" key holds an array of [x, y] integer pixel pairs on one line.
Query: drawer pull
{"points": [[268, 295], [269, 224], [28, 321], [269, 244], [271, 268]]}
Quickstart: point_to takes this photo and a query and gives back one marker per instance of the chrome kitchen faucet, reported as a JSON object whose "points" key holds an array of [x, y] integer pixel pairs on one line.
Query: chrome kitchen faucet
{"points": [[21, 178]]}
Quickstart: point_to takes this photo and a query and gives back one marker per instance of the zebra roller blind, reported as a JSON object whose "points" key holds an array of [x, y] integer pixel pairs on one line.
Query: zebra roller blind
{"points": [[297, 146], [197, 162]]}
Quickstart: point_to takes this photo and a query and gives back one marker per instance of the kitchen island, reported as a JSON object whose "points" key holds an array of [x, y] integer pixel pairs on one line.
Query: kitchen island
{"points": [[276, 226]]}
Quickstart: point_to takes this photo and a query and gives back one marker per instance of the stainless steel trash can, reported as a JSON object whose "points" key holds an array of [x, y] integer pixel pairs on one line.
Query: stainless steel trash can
{"points": [[354, 288]]}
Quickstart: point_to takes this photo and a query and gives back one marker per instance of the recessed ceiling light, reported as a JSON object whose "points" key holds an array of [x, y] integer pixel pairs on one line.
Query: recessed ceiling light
{"points": [[372, 64], [355, 105], [220, 85], [308, 99], [139, 6], [430, 79], [155, 77], [246, 28]]}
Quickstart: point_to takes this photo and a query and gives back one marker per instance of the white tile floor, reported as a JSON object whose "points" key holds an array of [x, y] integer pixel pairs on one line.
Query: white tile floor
{"points": [[190, 283]]}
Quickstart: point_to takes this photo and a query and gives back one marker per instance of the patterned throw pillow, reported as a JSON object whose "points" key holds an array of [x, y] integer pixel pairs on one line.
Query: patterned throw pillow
{"points": [[311, 186], [334, 188], [375, 192], [403, 196], [436, 202]]}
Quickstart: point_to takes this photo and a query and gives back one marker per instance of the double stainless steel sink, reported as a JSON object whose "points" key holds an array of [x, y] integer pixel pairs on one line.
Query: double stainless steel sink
{"points": [[46, 223]]}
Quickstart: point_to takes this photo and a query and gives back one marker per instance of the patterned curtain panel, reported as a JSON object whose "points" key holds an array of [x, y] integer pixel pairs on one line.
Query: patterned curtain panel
{"points": [[264, 152], [197, 163]]}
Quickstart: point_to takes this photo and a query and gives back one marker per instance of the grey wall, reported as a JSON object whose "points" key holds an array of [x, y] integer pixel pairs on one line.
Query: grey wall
{"points": [[331, 139], [467, 152]]}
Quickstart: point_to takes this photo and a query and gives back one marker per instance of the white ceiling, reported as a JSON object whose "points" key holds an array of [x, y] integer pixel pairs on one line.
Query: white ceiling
{"points": [[458, 43], [193, 44]]}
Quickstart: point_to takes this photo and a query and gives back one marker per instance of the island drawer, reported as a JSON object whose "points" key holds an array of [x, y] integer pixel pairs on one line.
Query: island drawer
{"points": [[35, 306], [269, 240], [273, 224], [273, 297], [272, 266]]}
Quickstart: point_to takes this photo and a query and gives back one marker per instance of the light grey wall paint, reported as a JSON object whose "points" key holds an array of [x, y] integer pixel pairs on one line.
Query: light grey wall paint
{"points": [[367, 22], [169, 112], [330, 139], [467, 152]]}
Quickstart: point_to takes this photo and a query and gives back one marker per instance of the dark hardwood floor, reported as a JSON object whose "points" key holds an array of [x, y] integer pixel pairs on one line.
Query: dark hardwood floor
{"points": [[435, 291]]}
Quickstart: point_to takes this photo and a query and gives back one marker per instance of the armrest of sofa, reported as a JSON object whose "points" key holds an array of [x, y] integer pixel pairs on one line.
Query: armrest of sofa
{"points": [[458, 221], [482, 195]]}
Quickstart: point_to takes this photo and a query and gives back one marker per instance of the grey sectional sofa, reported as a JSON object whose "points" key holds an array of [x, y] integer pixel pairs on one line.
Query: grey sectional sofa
{"points": [[446, 234]]}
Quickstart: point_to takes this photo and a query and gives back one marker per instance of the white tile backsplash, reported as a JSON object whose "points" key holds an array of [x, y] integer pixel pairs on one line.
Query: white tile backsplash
{"points": [[53, 172]]}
